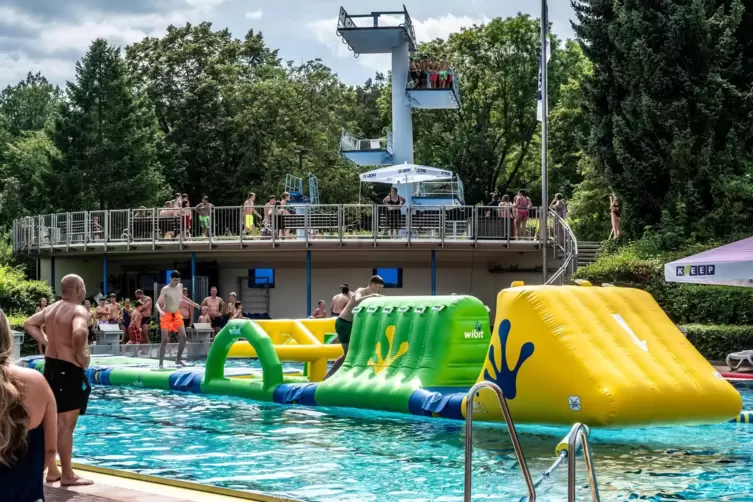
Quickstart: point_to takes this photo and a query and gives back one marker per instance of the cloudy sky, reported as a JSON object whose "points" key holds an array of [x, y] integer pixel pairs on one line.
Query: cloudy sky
{"points": [[50, 35]]}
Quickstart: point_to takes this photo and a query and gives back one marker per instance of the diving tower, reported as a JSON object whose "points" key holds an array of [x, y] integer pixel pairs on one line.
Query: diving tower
{"points": [[391, 32]]}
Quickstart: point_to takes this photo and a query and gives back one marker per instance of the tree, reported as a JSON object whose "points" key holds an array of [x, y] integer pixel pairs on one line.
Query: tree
{"points": [[25, 177], [107, 136], [489, 141], [29, 105], [205, 88], [669, 108]]}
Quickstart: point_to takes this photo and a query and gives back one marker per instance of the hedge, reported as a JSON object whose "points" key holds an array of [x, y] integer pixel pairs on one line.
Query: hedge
{"points": [[684, 303], [717, 341], [19, 295]]}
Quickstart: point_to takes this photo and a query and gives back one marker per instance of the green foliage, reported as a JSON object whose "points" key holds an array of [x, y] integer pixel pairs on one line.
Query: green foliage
{"points": [[493, 140], [631, 267], [108, 138], [715, 342], [669, 107], [18, 295], [29, 105]]}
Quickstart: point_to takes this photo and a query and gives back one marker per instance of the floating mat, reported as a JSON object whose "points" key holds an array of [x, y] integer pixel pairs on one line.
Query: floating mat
{"points": [[601, 356]]}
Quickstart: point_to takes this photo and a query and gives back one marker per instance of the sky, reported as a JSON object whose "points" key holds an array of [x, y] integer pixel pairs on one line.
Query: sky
{"points": [[49, 36]]}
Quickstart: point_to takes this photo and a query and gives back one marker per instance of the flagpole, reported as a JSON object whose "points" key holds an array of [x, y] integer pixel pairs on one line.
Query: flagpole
{"points": [[544, 140]]}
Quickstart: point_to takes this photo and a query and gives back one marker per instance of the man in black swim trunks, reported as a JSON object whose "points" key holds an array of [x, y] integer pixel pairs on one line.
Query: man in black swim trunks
{"points": [[66, 326], [344, 322]]}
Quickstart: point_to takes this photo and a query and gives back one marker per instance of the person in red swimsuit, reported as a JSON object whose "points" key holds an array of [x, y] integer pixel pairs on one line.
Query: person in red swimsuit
{"points": [[134, 329]]}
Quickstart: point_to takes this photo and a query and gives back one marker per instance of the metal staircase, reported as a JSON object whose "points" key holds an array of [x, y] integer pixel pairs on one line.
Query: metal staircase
{"points": [[567, 449], [588, 252], [566, 247]]}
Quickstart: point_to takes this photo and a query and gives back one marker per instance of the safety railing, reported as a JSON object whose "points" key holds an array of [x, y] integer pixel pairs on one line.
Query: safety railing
{"points": [[511, 430], [565, 243], [579, 435], [350, 143], [567, 449], [242, 225]]}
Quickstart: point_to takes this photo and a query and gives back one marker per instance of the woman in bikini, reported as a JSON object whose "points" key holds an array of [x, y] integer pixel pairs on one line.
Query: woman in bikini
{"points": [[614, 209], [522, 205]]}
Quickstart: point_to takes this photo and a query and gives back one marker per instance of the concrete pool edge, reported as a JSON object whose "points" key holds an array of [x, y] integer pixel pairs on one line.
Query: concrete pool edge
{"points": [[179, 485]]}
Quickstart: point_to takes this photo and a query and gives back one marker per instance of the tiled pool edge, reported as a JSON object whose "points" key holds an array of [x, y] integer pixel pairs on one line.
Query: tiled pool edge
{"points": [[179, 485]]}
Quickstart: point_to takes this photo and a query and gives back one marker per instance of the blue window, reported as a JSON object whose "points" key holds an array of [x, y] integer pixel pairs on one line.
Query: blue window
{"points": [[261, 278], [393, 277]]}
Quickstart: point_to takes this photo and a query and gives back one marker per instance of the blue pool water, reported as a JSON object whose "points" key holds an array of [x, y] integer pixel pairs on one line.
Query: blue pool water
{"points": [[323, 454]]}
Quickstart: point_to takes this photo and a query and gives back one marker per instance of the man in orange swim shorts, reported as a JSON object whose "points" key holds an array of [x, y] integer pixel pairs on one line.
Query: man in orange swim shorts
{"points": [[171, 320]]}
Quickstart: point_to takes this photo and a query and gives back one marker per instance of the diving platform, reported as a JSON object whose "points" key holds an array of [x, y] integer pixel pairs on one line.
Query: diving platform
{"points": [[377, 32], [445, 96], [367, 152]]}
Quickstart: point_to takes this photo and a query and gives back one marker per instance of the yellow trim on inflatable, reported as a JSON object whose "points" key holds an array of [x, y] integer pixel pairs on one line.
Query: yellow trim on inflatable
{"points": [[296, 341], [185, 485], [599, 356]]}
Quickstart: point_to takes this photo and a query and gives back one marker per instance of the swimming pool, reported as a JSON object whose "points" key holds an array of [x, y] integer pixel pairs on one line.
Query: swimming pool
{"points": [[322, 454]]}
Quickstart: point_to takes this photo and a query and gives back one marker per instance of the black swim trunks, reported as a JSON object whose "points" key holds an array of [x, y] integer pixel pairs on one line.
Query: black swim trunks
{"points": [[343, 329], [146, 320], [69, 385], [217, 322]]}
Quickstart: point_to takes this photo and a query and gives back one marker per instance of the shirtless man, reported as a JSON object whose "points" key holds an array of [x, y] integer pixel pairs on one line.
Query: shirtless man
{"points": [[321, 310], [171, 321], [204, 209], [113, 310], [269, 211], [216, 306], [102, 314], [186, 309], [146, 314], [249, 212], [339, 301], [67, 356], [344, 323]]}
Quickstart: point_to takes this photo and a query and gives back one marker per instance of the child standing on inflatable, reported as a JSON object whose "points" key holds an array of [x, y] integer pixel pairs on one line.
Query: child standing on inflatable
{"points": [[344, 322]]}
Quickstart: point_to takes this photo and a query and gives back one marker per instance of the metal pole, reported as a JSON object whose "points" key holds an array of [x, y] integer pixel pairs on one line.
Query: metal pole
{"points": [[52, 272], [193, 276], [104, 274], [308, 283], [433, 273], [544, 139], [510, 429]]}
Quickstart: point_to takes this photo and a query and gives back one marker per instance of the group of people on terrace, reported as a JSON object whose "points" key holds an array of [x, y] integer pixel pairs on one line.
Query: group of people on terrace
{"points": [[429, 74], [177, 216]]}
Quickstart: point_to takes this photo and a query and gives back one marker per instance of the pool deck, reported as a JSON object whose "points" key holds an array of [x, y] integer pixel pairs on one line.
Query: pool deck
{"points": [[122, 486]]}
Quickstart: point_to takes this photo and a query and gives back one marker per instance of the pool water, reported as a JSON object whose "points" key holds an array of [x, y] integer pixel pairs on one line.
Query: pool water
{"points": [[328, 454]]}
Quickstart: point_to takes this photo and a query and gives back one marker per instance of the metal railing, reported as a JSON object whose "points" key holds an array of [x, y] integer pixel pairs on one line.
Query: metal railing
{"points": [[350, 143], [579, 434], [236, 225], [513, 437], [566, 243], [348, 21]]}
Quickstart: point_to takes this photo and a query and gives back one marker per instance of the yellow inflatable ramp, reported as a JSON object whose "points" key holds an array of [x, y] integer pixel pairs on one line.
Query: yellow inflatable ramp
{"points": [[601, 356]]}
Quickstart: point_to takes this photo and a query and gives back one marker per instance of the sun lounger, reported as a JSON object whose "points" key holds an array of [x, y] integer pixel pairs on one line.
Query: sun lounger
{"points": [[740, 360]]}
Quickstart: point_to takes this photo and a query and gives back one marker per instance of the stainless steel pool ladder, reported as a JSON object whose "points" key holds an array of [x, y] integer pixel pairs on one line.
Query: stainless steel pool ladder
{"points": [[510, 428], [578, 435], [568, 447]]}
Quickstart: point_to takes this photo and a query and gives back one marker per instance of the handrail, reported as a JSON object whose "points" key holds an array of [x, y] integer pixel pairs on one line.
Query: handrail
{"points": [[127, 229], [579, 434], [569, 246], [510, 428]]}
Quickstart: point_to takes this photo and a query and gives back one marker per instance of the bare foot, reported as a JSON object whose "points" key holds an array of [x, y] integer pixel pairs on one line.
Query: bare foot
{"points": [[53, 478], [76, 481]]}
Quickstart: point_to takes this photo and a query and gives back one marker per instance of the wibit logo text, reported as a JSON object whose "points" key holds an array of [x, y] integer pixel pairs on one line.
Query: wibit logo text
{"points": [[476, 332]]}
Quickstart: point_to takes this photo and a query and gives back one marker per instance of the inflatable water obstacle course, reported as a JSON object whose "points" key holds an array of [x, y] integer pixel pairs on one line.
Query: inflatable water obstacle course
{"points": [[561, 354]]}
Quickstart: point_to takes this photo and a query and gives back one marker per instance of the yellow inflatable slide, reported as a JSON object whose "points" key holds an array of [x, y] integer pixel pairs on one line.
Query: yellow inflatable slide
{"points": [[603, 356]]}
